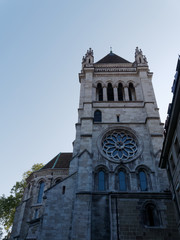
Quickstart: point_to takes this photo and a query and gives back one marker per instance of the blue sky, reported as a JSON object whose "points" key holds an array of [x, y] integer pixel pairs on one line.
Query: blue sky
{"points": [[41, 47]]}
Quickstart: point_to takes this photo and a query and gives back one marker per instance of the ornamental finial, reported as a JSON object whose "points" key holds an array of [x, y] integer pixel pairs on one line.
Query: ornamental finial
{"points": [[140, 58]]}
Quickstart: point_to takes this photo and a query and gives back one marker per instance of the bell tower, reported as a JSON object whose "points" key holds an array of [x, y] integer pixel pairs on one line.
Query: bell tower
{"points": [[111, 187], [120, 190]]}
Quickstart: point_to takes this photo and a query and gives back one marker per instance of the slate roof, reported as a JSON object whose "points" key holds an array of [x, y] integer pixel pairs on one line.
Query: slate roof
{"points": [[112, 58], [62, 160]]}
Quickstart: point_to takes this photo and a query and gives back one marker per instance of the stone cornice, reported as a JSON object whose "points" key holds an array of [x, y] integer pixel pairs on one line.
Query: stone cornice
{"points": [[114, 69], [86, 118], [152, 118], [131, 195], [113, 65]]}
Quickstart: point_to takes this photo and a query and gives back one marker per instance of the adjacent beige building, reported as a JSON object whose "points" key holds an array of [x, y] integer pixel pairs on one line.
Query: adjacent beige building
{"points": [[111, 187]]}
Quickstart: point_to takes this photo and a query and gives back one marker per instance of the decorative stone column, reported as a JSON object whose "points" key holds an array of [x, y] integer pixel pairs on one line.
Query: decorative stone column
{"points": [[94, 94], [126, 94], [104, 93], [115, 94]]}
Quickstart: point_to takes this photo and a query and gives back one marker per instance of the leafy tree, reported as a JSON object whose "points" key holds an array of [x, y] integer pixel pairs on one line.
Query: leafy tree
{"points": [[8, 204], [1, 232]]}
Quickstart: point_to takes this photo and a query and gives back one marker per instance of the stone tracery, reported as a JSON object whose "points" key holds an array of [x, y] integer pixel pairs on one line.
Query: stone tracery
{"points": [[119, 145]]}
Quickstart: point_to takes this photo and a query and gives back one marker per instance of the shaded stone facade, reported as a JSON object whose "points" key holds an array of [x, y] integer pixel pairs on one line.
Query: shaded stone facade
{"points": [[112, 188], [170, 157]]}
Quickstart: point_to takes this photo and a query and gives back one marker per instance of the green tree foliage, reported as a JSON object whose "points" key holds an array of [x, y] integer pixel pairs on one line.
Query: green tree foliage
{"points": [[8, 204]]}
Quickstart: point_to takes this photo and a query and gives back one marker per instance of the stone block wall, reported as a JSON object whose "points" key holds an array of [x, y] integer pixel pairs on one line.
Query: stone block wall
{"points": [[57, 217], [100, 221], [128, 222]]}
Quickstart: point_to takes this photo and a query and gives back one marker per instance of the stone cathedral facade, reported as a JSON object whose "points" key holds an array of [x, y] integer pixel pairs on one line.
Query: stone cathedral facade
{"points": [[110, 187]]}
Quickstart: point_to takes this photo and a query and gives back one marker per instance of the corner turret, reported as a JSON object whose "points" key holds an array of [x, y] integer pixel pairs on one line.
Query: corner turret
{"points": [[88, 59], [140, 59]]}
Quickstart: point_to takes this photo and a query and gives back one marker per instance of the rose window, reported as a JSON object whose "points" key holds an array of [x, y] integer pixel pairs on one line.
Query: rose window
{"points": [[119, 145]]}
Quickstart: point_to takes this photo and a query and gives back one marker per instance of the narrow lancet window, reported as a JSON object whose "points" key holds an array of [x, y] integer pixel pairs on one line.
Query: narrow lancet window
{"points": [[117, 118], [143, 181], [101, 180], [41, 192], [122, 181]]}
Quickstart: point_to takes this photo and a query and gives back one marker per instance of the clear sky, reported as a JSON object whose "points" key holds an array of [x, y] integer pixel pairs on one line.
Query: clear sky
{"points": [[42, 43]]}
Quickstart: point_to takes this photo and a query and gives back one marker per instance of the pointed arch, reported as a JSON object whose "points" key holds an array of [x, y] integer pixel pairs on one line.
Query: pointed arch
{"points": [[41, 191], [122, 180], [143, 180], [131, 91], [99, 92], [101, 178], [110, 93], [144, 175]]}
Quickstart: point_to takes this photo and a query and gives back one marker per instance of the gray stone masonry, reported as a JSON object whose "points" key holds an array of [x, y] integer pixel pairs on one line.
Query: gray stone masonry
{"points": [[113, 189]]}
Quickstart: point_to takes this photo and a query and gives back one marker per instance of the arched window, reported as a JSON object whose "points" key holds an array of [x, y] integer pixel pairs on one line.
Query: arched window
{"points": [[151, 216], [143, 181], [131, 90], [41, 191], [110, 93], [122, 181], [58, 180], [97, 116], [101, 180], [99, 92], [120, 92]]}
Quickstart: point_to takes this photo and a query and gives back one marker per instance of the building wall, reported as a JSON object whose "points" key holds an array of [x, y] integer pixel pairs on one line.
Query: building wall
{"points": [[170, 157], [140, 117], [28, 216], [83, 206], [128, 219], [58, 208]]}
